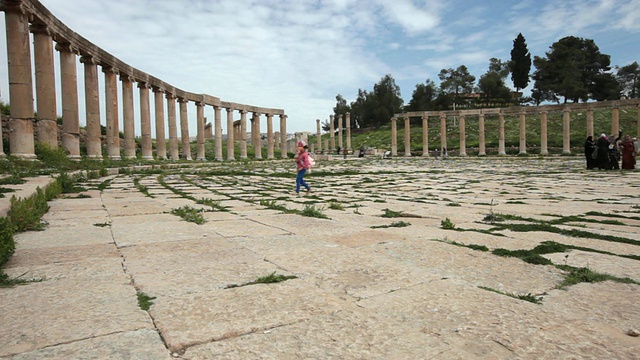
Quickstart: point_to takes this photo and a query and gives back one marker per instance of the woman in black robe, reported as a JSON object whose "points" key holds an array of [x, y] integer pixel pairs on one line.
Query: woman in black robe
{"points": [[589, 147], [602, 158]]}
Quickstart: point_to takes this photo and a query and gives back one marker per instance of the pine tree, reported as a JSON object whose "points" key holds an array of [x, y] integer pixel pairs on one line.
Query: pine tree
{"points": [[520, 64]]}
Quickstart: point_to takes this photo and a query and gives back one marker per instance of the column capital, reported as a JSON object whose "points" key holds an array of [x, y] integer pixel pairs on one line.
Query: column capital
{"points": [[242, 111], [39, 28], [88, 59], [199, 103], [107, 69], [182, 100], [544, 112], [14, 7], [157, 89], [67, 47], [143, 85], [126, 77], [169, 95]]}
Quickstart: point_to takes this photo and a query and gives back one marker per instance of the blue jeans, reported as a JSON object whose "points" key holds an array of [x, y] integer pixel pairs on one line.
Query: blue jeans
{"points": [[300, 180]]}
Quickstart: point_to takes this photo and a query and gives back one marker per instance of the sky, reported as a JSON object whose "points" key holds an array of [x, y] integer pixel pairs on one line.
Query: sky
{"points": [[297, 55]]}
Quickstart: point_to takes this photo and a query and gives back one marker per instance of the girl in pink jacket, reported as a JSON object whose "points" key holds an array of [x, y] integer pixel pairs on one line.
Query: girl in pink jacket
{"points": [[303, 164]]}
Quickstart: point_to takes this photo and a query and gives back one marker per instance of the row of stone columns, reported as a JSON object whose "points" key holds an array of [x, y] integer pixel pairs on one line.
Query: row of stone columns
{"points": [[566, 123], [22, 119], [332, 133]]}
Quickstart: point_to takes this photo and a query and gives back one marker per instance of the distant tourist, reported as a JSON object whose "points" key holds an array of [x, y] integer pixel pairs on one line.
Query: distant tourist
{"points": [[303, 164], [590, 152], [628, 153], [614, 151], [602, 158]]}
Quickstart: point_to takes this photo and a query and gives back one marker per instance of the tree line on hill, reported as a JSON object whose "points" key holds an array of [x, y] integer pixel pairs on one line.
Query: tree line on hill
{"points": [[573, 70]]}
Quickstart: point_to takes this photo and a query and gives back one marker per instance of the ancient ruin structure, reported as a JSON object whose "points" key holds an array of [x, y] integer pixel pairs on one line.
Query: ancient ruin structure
{"points": [[23, 17]]}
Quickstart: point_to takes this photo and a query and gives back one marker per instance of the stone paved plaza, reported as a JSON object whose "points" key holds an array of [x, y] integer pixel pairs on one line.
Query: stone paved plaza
{"points": [[364, 287]]}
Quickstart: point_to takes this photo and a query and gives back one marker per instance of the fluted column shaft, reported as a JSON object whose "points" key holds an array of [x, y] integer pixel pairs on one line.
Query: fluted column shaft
{"points": [[340, 144], [200, 131], [463, 136], [332, 132], [218, 132], [283, 136], [257, 143], [501, 150], [482, 151], [173, 127], [69, 89], [394, 137], [145, 122], [92, 107], [443, 133], [407, 137], [21, 137], [161, 143], [425, 136], [523, 133], [543, 133], [566, 131], [590, 130], [615, 120], [270, 137], [111, 112], [347, 121], [318, 136], [243, 134], [184, 129], [47, 126], [128, 117], [230, 139]]}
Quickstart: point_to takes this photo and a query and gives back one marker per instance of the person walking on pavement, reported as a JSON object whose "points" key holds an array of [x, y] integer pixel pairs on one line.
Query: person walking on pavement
{"points": [[303, 164]]}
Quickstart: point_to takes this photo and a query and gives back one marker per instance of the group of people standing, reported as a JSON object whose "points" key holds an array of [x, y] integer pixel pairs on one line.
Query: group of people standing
{"points": [[606, 152]]}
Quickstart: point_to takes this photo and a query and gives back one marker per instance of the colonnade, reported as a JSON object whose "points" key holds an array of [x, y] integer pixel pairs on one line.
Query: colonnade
{"points": [[23, 17], [521, 112]]}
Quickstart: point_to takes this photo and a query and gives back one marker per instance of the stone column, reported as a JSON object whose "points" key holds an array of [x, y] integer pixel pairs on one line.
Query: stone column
{"points": [[92, 107], [243, 134], [283, 136], [184, 129], [326, 145], [270, 137], [394, 137], [161, 144], [127, 117], [566, 131], [174, 152], [523, 133], [111, 112], [230, 139], [638, 123], [463, 136], [21, 142], [318, 135], [218, 132], [47, 126], [615, 119], [200, 131], [340, 144], [276, 139], [482, 146], [69, 89], [257, 142], [145, 122], [332, 132], [590, 130], [407, 137], [566, 134], [543, 133], [425, 135], [348, 123], [501, 150], [443, 133]]}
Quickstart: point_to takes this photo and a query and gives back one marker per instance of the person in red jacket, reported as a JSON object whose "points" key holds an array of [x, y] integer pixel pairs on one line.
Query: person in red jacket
{"points": [[303, 164]]}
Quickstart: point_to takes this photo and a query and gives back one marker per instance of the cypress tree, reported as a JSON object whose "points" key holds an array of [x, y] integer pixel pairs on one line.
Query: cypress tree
{"points": [[520, 63]]}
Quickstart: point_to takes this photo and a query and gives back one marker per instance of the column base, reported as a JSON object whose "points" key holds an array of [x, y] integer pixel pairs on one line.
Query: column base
{"points": [[566, 152], [26, 156], [147, 157], [201, 159], [544, 153]]}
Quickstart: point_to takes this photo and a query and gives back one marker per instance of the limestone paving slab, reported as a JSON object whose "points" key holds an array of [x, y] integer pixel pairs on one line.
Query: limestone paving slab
{"points": [[149, 228], [192, 319], [601, 263], [60, 235], [64, 311], [193, 266]]}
